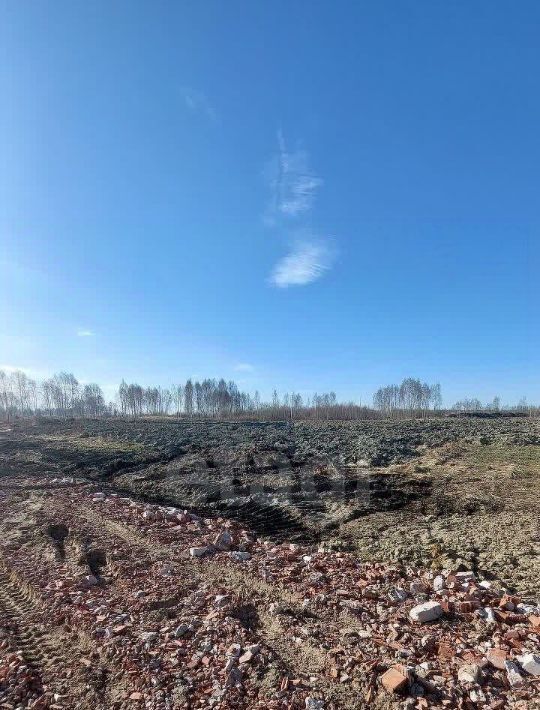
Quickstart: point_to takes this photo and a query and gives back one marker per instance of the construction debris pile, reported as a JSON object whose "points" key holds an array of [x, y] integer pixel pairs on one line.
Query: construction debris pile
{"points": [[137, 605]]}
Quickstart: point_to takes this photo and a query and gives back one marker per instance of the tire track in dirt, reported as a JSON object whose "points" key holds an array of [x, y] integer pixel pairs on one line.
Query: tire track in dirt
{"points": [[47, 652], [299, 658], [44, 652], [15, 608]]}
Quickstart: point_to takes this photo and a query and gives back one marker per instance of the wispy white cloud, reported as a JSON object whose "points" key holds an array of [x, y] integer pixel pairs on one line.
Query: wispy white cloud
{"points": [[244, 367], [305, 263], [84, 333], [294, 188], [197, 102], [293, 183]]}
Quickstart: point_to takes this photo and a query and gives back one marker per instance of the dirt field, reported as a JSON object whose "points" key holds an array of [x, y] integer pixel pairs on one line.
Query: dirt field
{"points": [[102, 604]]}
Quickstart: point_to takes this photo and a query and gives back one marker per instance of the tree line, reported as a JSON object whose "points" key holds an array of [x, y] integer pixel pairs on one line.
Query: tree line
{"points": [[475, 405], [221, 399], [207, 398], [62, 395]]}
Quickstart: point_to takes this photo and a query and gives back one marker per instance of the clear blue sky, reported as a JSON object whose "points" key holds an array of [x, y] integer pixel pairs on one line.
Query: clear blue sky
{"points": [[306, 195]]}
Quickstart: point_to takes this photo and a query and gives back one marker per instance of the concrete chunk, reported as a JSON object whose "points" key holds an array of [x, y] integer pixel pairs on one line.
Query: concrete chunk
{"points": [[398, 595], [429, 611], [439, 583], [512, 673], [465, 577], [530, 662], [469, 674], [223, 540], [200, 551], [149, 636]]}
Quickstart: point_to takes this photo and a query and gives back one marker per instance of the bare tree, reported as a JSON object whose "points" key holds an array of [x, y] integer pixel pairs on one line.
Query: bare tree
{"points": [[188, 398], [93, 402], [178, 398], [411, 397]]}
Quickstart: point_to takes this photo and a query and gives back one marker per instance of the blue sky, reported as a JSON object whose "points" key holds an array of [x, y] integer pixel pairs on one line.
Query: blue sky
{"points": [[306, 195]]}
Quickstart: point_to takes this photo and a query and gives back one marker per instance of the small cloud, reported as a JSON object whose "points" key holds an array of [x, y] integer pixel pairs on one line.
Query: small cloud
{"points": [[293, 183], [244, 367], [83, 333], [306, 263], [197, 102]]}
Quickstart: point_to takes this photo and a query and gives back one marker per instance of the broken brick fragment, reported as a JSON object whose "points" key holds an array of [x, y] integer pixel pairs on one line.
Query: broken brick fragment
{"points": [[497, 658], [446, 606], [508, 617], [445, 650], [395, 679], [465, 608], [535, 622]]}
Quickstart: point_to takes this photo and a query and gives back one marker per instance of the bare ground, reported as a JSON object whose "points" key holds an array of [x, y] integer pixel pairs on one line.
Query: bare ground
{"points": [[450, 495]]}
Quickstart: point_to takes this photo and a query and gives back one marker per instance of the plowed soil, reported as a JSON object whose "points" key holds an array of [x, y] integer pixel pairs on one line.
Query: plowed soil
{"points": [[433, 495]]}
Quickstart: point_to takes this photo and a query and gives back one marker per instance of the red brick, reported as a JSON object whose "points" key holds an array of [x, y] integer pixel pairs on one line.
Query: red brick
{"points": [[445, 650], [471, 658], [447, 607], [535, 622], [508, 617], [395, 679], [515, 634], [465, 608], [497, 657]]}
